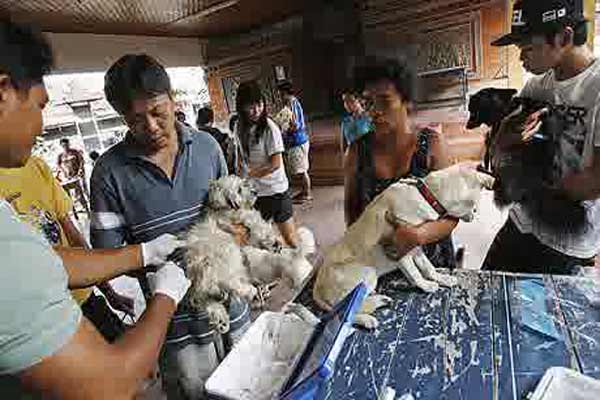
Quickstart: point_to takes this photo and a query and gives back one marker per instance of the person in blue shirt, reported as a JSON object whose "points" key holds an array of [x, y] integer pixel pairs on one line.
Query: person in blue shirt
{"points": [[356, 122], [296, 142]]}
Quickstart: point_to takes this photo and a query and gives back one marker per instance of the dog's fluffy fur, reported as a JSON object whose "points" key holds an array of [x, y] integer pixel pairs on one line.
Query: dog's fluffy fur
{"points": [[215, 265], [220, 269], [525, 174], [360, 255], [266, 266]]}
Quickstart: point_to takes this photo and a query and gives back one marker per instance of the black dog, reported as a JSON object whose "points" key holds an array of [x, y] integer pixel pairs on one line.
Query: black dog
{"points": [[526, 173], [489, 106]]}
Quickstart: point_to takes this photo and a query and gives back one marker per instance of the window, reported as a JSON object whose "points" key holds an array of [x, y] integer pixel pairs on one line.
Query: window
{"points": [[51, 133], [87, 128], [82, 111], [92, 143], [58, 132], [110, 123]]}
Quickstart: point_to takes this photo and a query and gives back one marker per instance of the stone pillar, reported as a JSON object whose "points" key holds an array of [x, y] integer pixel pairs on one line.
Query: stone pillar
{"points": [[590, 14]]}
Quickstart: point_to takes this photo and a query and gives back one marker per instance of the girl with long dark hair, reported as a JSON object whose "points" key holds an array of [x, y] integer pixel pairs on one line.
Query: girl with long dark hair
{"points": [[262, 155]]}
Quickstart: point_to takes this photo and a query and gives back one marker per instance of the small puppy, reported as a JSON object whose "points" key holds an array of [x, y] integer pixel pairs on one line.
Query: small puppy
{"points": [[361, 255], [527, 173], [489, 107]]}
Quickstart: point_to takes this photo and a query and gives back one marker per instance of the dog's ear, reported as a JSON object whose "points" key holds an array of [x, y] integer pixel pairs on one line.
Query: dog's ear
{"points": [[506, 95]]}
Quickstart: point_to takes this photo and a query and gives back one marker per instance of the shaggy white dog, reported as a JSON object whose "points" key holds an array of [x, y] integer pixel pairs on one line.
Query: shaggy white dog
{"points": [[215, 265], [220, 267], [361, 256]]}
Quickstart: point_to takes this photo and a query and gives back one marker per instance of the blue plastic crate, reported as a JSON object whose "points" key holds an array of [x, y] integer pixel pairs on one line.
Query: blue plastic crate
{"points": [[316, 365]]}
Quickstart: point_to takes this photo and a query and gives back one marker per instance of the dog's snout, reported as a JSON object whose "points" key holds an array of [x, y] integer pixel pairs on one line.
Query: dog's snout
{"points": [[277, 246]]}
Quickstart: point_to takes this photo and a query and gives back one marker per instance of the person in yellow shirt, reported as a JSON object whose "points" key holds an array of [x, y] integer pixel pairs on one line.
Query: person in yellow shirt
{"points": [[36, 195]]}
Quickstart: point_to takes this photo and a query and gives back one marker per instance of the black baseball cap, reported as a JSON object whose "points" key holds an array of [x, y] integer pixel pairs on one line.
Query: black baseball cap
{"points": [[536, 16]]}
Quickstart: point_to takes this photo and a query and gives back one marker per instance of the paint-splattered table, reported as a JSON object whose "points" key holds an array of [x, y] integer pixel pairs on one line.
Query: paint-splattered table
{"points": [[491, 337]]}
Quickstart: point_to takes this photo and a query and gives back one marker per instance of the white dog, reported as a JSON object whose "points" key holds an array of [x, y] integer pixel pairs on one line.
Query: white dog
{"points": [[360, 255], [215, 265], [220, 268]]}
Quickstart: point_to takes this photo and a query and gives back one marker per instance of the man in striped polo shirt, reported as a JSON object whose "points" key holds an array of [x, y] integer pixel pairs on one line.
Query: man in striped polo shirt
{"points": [[154, 182]]}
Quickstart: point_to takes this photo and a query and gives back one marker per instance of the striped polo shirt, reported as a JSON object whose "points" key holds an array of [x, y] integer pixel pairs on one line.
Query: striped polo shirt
{"points": [[134, 201]]}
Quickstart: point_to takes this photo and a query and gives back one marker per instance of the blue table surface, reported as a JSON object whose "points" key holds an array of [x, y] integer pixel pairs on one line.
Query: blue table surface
{"points": [[479, 340]]}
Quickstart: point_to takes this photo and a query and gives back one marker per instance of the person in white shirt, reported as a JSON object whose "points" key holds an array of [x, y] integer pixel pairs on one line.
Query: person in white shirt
{"points": [[552, 38], [262, 155]]}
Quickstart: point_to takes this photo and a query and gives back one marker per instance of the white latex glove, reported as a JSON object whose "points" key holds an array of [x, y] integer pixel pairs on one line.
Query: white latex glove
{"points": [[155, 252], [171, 281]]}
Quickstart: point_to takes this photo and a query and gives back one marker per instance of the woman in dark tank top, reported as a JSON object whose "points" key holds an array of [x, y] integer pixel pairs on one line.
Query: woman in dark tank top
{"points": [[393, 152]]}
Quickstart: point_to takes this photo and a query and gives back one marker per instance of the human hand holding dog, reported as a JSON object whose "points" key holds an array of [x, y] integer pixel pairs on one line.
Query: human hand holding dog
{"points": [[512, 128], [170, 280], [408, 237], [155, 252]]}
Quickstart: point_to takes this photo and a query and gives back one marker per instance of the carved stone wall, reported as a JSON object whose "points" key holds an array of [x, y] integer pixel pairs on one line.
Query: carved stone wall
{"points": [[317, 54], [224, 80], [453, 46], [443, 34]]}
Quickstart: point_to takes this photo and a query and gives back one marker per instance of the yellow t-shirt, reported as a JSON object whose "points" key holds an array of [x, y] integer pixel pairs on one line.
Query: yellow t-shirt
{"points": [[38, 198]]}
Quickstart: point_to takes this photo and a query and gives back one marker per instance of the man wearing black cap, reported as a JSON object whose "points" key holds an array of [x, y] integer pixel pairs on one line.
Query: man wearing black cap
{"points": [[552, 35]]}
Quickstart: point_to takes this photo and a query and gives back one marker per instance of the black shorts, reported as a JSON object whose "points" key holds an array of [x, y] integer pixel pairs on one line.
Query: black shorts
{"points": [[277, 207], [514, 251]]}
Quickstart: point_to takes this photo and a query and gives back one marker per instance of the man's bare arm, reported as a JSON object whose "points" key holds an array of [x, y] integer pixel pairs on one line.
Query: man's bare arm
{"points": [[89, 368], [438, 153], [76, 239], [87, 267], [408, 237], [90, 267], [275, 164], [586, 184]]}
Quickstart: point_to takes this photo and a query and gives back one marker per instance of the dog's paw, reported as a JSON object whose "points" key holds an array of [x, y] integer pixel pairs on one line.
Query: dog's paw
{"points": [[381, 301], [447, 281], [263, 293], [428, 286], [222, 326], [366, 321]]}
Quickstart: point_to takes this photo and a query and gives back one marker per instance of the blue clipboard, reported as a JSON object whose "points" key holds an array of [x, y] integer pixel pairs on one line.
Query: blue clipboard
{"points": [[316, 365], [535, 316]]}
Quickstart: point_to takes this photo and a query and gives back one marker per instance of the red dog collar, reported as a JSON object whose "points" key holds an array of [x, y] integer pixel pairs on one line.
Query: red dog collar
{"points": [[430, 198]]}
